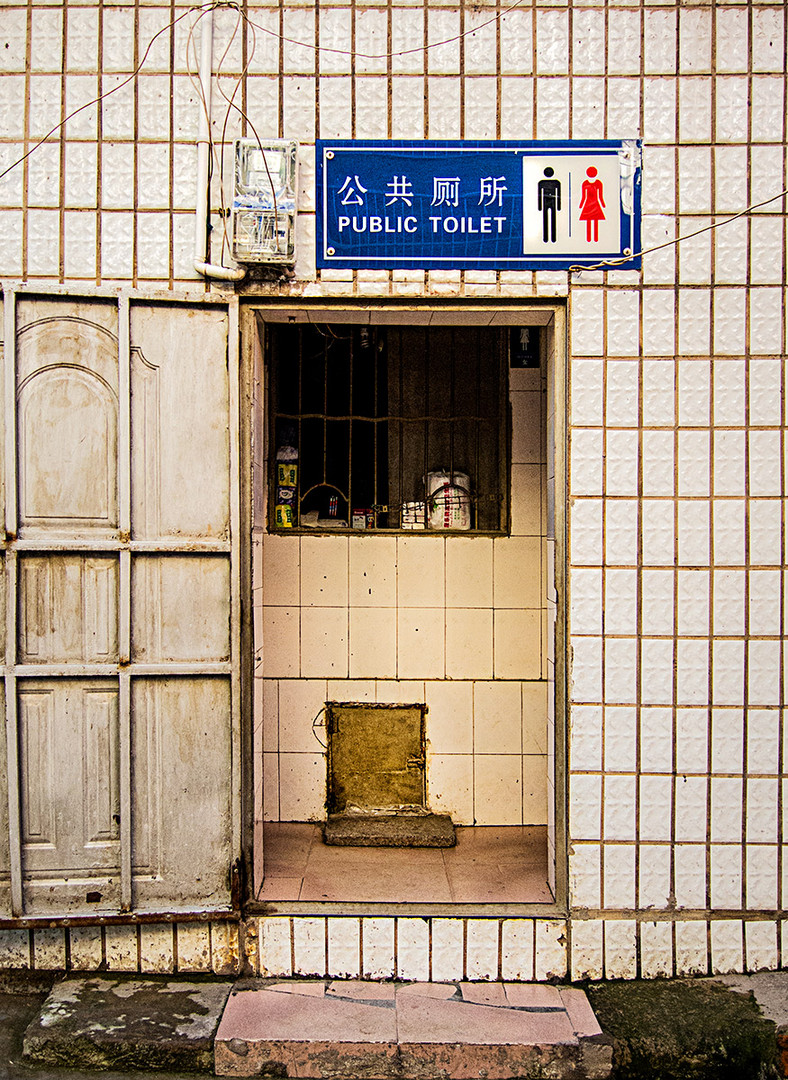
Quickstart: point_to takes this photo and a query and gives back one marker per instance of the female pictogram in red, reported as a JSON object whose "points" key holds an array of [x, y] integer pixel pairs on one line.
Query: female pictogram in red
{"points": [[592, 204]]}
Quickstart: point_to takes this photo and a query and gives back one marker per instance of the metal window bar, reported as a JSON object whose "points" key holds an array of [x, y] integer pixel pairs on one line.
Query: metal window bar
{"points": [[441, 424]]}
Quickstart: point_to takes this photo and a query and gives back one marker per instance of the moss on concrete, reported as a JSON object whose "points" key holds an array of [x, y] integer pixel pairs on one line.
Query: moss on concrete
{"points": [[683, 1030]]}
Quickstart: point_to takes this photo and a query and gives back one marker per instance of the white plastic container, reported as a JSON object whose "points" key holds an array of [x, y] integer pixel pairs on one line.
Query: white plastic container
{"points": [[448, 500]]}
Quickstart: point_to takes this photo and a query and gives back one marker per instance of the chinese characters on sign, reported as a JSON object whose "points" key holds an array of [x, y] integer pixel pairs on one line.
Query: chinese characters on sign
{"points": [[485, 205]]}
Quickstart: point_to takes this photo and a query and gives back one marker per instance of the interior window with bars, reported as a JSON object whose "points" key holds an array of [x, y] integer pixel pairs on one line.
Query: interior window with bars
{"points": [[388, 428]]}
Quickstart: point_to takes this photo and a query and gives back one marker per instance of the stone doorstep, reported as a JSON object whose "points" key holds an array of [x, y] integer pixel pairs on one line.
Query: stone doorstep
{"points": [[353, 1030], [142, 1022]]}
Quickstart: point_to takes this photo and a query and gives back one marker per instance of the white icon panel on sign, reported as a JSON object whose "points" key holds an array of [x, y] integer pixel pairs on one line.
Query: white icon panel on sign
{"points": [[571, 204]]}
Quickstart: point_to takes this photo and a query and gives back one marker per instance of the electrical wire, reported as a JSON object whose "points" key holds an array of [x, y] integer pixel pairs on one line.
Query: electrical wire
{"points": [[103, 96], [218, 159], [613, 263], [355, 54]]}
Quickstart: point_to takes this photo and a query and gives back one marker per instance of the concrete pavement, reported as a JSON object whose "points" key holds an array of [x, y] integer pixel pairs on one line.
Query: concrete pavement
{"points": [[124, 1027]]}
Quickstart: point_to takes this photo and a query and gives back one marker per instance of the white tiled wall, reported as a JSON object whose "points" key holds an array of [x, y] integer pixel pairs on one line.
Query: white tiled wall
{"points": [[458, 623], [676, 417]]}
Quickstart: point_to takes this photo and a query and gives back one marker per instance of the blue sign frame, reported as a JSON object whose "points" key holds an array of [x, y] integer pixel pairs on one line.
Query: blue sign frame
{"points": [[478, 205]]}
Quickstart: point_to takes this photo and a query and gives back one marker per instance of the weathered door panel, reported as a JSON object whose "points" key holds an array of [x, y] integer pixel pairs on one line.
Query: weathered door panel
{"points": [[181, 797], [180, 608], [68, 609], [67, 417], [121, 654], [179, 423], [69, 772], [5, 876]]}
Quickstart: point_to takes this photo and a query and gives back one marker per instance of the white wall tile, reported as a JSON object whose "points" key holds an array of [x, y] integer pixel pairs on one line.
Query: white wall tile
{"points": [[516, 42], [624, 51], [551, 954], [587, 322], [517, 574], [517, 644], [302, 787], [691, 948], [620, 603], [656, 949], [729, 529], [585, 807], [344, 941], [695, 40], [621, 463], [620, 739], [731, 109], [469, 572], [309, 946], [763, 733], [373, 643], [481, 960], [586, 669], [517, 949], [420, 643], [324, 642], [727, 741], [585, 743], [726, 946], [587, 954], [498, 789], [619, 808], [620, 948], [300, 702], [656, 740], [497, 717], [768, 36], [586, 529], [378, 948], [760, 940], [469, 643], [447, 949], [450, 717], [450, 785], [413, 949], [588, 106]]}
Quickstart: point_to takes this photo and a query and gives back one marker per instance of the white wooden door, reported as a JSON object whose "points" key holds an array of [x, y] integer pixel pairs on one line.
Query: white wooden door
{"points": [[120, 787]]}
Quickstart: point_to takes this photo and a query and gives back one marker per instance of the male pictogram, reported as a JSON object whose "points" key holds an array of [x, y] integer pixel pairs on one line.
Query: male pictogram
{"points": [[549, 194], [592, 204]]}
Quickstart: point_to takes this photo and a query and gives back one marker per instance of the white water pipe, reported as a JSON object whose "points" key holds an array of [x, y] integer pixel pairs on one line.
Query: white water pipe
{"points": [[210, 270]]}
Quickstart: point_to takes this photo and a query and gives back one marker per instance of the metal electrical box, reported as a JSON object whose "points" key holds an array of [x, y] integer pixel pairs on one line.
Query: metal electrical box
{"points": [[264, 203]]}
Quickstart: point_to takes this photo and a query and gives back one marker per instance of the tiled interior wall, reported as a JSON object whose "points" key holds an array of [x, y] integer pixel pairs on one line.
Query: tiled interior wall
{"points": [[460, 623]]}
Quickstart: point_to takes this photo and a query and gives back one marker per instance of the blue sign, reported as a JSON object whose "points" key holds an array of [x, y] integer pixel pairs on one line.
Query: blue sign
{"points": [[443, 205]]}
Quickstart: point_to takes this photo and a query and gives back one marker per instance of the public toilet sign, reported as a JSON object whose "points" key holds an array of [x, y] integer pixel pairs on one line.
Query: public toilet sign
{"points": [[441, 205]]}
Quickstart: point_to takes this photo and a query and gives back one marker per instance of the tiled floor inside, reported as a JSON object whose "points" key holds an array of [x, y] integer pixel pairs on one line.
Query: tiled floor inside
{"points": [[490, 864], [455, 1030]]}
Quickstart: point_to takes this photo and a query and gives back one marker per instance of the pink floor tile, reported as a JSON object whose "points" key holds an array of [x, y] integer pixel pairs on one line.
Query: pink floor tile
{"points": [[423, 1021], [438, 991], [504, 864], [280, 888], [581, 1015], [483, 993], [264, 1015], [361, 991], [305, 989], [533, 996]]}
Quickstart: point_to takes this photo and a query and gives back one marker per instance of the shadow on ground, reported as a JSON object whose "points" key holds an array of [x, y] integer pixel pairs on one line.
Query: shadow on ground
{"points": [[684, 1029]]}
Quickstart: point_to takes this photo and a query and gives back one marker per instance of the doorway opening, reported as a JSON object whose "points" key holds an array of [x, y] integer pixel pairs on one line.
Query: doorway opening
{"points": [[404, 542]]}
